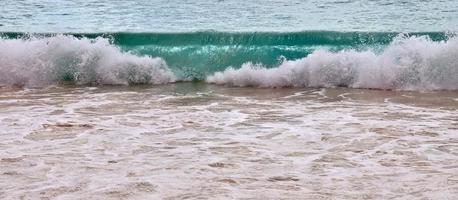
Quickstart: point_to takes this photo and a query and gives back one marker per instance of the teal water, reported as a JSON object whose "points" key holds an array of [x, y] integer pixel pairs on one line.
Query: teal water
{"points": [[197, 54], [228, 99], [195, 39]]}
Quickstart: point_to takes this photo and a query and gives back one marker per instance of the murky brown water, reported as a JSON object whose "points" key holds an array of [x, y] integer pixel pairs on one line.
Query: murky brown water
{"points": [[197, 141]]}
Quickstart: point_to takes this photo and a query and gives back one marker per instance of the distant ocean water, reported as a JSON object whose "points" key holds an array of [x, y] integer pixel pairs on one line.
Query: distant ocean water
{"points": [[94, 16]]}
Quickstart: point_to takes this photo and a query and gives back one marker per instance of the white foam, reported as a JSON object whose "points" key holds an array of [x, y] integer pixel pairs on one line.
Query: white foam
{"points": [[408, 63], [48, 60]]}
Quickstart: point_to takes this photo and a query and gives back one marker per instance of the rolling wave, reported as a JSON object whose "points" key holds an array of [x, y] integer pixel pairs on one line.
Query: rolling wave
{"points": [[412, 61], [408, 63], [242, 38], [39, 61]]}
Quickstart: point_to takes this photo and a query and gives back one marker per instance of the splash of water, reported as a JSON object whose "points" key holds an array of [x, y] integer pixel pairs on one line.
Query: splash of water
{"points": [[39, 61], [408, 63]]}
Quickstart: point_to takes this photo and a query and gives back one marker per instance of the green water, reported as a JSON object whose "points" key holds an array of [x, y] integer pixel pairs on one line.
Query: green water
{"points": [[195, 39], [197, 54]]}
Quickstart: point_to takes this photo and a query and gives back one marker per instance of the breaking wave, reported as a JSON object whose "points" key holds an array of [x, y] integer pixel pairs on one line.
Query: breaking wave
{"points": [[421, 61], [407, 63], [39, 61]]}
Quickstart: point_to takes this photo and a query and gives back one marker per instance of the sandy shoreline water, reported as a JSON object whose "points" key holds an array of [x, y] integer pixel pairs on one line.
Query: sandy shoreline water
{"points": [[192, 140]]}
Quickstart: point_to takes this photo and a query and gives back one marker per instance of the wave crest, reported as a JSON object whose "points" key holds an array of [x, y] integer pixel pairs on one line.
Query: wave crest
{"points": [[38, 61], [408, 63]]}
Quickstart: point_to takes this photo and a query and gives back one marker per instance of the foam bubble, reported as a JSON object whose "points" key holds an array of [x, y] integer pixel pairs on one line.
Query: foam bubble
{"points": [[408, 63], [42, 61]]}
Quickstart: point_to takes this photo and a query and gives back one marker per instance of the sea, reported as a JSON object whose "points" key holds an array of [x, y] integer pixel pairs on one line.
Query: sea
{"points": [[228, 99]]}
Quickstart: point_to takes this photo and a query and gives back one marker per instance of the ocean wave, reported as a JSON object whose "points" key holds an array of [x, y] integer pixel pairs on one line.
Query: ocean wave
{"points": [[245, 38], [38, 61], [407, 63]]}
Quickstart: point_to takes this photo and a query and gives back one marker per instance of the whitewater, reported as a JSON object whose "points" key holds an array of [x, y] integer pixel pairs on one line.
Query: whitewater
{"points": [[228, 99], [406, 63]]}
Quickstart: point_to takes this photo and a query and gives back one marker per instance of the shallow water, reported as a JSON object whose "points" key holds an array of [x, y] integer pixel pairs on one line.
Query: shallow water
{"points": [[192, 140]]}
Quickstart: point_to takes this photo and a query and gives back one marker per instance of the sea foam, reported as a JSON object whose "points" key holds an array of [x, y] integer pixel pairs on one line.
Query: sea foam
{"points": [[39, 61], [408, 63]]}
